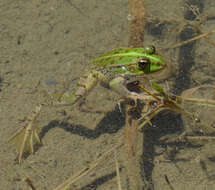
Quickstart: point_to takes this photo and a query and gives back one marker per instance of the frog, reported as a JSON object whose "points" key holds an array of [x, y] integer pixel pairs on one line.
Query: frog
{"points": [[113, 70]]}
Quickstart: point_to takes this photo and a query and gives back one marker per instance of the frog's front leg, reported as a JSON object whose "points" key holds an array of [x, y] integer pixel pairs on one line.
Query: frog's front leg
{"points": [[119, 85]]}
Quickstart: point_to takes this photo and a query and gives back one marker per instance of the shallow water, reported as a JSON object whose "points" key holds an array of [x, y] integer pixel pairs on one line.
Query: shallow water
{"points": [[51, 42]]}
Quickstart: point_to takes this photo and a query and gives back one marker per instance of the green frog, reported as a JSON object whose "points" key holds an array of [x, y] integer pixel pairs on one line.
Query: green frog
{"points": [[114, 69]]}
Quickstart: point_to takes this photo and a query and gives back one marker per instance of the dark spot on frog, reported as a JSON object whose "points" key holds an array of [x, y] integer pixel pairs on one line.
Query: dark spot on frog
{"points": [[131, 69], [120, 58]]}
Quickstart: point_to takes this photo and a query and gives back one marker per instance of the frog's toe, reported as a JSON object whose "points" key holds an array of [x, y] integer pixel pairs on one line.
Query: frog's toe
{"points": [[134, 96]]}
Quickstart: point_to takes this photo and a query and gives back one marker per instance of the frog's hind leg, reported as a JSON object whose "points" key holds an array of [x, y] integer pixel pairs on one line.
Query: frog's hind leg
{"points": [[85, 85], [28, 136]]}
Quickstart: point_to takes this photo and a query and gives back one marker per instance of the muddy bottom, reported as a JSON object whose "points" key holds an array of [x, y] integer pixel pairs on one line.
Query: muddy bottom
{"points": [[47, 44]]}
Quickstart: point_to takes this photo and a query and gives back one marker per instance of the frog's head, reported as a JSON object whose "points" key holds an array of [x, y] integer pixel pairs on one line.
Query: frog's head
{"points": [[132, 61], [146, 61]]}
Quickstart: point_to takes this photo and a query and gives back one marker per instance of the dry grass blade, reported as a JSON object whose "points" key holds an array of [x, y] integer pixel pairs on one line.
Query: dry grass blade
{"points": [[150, 117], [199, 100], [164, 102], [171, 105], [26, 137], [185, 95], [68, 183], [192, 90], [190, 40]]}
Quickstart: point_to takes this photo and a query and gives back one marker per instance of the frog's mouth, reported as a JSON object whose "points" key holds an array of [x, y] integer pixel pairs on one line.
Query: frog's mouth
{"points": [[135, 70], [156, 67], [144, 67], [166, 71]]}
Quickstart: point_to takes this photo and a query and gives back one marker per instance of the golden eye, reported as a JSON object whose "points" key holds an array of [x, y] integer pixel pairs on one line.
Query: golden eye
{"points": [[143, 63]]}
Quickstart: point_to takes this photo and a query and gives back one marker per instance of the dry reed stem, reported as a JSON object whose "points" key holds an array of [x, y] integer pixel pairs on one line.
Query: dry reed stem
{"points": [[117, 171], [131, 158], [137, 25], [130, 134]]}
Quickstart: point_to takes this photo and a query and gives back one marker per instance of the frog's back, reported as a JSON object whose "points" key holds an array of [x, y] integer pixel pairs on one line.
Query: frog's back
{"points": [[123, 60], [119, 56]]}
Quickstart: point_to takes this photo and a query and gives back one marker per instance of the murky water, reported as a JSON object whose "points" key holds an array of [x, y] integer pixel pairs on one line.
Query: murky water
{"points": [[52, 42]]}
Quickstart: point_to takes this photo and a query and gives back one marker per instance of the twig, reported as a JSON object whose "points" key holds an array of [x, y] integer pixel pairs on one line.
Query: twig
{"points": [[27, 134], [190, 40], [199, 100], [168, 182], [68, 183], [30, 184], [117, 171], [191, 139]]}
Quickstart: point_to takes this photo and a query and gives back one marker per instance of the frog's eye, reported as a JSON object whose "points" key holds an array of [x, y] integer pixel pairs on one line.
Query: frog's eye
{"points": [[150, 49], [143, 63]]}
